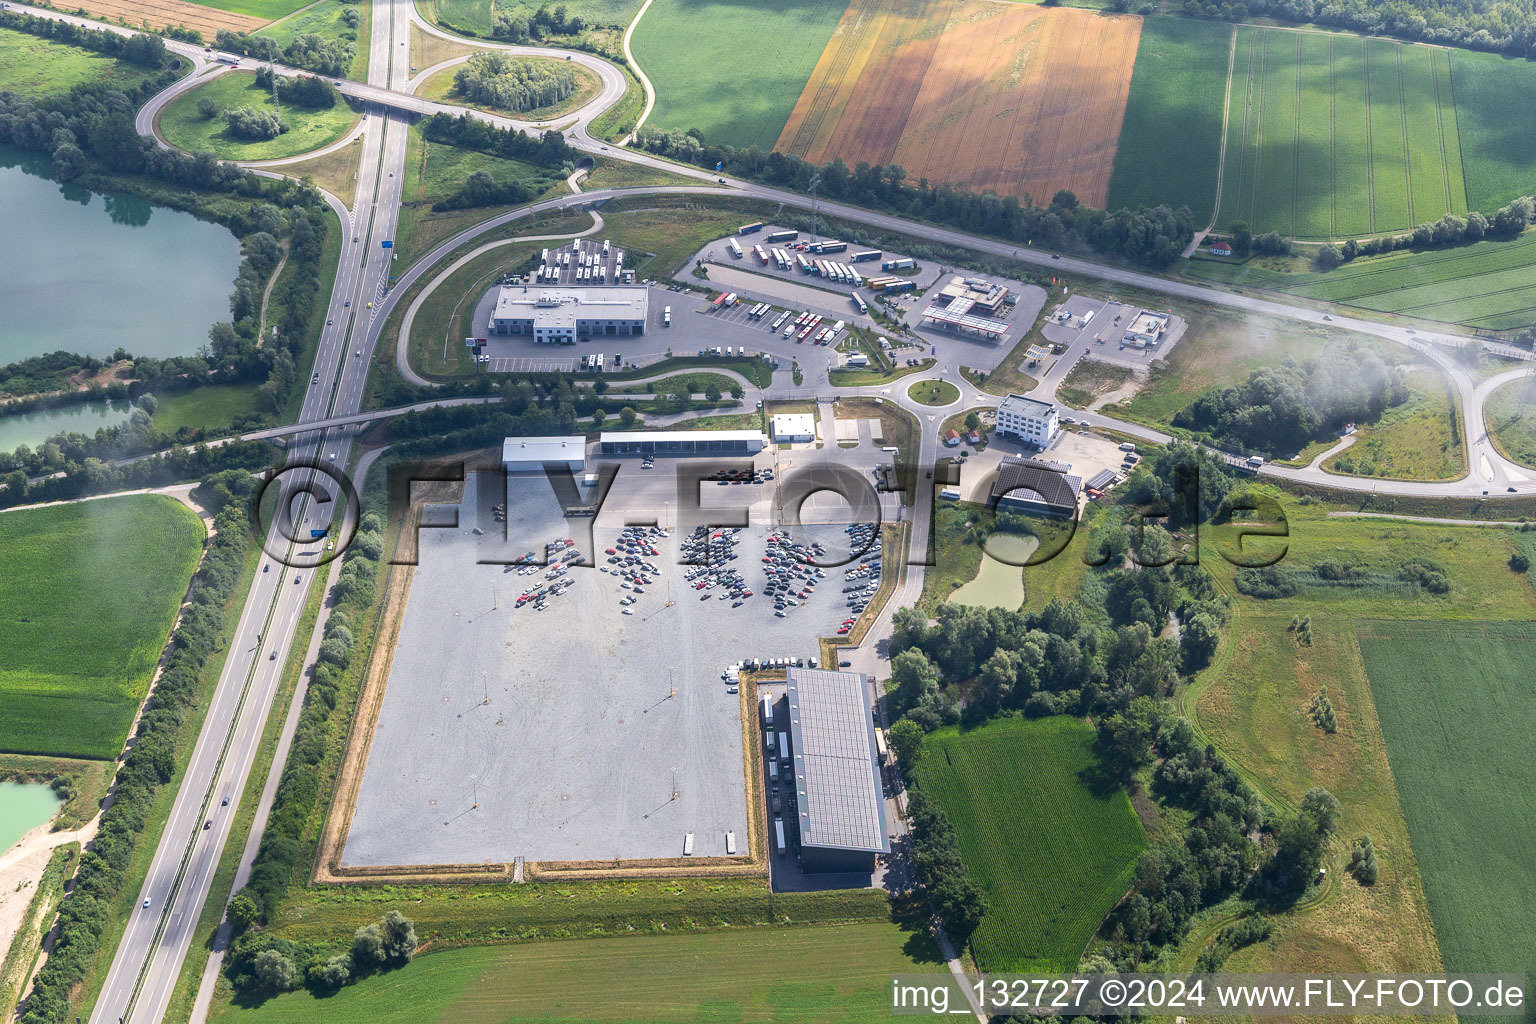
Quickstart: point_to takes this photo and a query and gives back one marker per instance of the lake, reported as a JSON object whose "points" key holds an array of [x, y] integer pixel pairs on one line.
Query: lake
{"points": [[23, 807], [998, 584], [33, 428], [90, 273]]}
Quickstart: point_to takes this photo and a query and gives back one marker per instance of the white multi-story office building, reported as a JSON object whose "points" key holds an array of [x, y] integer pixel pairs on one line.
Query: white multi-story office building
{"points": [[1028, 419]]}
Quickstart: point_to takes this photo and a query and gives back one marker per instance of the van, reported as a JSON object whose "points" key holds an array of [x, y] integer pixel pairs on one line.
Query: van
{"points": [[1127, 446]]}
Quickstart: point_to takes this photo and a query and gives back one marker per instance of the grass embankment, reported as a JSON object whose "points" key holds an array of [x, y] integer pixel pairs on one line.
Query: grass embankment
{"points": [[813, 974], [477, 17], [610, 173], [1418, 440], [328, 20], [1455, 708], [1512, 423], [185, 128], [442, 86], [685, 46], [119, 564], [1052, 856], [619, 120], [33, 66], [1252, 703]]}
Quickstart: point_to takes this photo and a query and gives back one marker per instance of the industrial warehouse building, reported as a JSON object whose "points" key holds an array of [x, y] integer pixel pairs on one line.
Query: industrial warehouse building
{"points": [[560, 316], [837, 771], [682, 442], [794, 427], [1028, 419], [530, 454], [1036, 485]]}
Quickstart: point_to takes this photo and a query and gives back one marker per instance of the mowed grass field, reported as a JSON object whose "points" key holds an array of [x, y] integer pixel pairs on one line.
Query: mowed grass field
{"points": [[1332, 135], [1490, 285], [1179, 79], [32, 66], [1052, 858], [185, 128], [731, 68], [810, 974], [1456, 705], [205, 18], [88, 593], [1014, 98]]}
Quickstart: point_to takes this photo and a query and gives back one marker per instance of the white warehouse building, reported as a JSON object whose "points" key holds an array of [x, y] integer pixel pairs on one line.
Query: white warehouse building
{"points": [[529, 454], [1028, 419], [794, 427], [560, 317]]}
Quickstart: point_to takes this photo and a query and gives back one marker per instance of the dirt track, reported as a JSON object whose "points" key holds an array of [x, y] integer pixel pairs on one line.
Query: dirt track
{"points": [[1015, 98]]}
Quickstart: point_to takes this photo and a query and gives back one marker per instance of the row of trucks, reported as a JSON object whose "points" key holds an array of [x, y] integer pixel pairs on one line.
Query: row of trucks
{"points": [[587, 265], [595, 362]]}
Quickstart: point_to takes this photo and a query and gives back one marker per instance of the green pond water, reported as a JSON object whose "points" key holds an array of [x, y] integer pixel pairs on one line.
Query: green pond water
{"points": [[998, 584], [23, 807]]}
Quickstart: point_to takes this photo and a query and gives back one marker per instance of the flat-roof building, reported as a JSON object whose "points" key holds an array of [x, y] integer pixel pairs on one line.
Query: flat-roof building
{"points": [[794, 427], [525, 454], [1036, 485], [1147, 329], [681, 442], [1028, 419], [837, 771], [561, 315], [978, 292]]}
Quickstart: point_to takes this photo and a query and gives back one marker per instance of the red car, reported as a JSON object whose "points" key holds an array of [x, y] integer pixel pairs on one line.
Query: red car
{"points": [[609, 551]]}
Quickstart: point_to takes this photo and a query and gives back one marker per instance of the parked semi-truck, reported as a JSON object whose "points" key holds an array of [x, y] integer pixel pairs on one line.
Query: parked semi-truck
{"points": [[831, 247], [747, 229], [868, 254], [734, 246], [903, 263], [783, 236]]}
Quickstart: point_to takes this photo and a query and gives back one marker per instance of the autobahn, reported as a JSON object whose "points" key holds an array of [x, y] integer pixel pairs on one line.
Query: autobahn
{"points": [[154, 946]]}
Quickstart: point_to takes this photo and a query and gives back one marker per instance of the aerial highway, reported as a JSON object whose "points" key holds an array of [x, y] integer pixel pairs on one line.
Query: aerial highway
{"points": [[154, 946]]}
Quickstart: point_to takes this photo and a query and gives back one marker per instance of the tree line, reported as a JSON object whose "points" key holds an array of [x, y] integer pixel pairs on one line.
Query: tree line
{"points": [[1282, 409], [308, 51], [1499, 26], [86, 915], [260, 964], [1450, 230], [548, 149], [1148, 236], [510, 83], [145, 49]]}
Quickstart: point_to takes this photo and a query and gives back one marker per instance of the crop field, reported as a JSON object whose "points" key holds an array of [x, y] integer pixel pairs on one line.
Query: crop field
{"points": [[731, 68], [1052, 858], [185, 128], [1497, 161], [1489, 285], [813, 974], [1179, 79], [1510, 413], [159, 14], [1330, 135], [33, 66], [70, 682], [1456, 705], [478, 17], [1013, 98]]}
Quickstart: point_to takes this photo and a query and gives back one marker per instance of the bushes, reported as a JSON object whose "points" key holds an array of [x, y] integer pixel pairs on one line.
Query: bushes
{"points": [[260, 964], [547, 150], [86, 915], [253, 124], [1425, 573], [509, 83], [1268, 583], [937, 866]]}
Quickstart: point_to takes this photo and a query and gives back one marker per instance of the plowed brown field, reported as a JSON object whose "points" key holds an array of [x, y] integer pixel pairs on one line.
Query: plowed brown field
{"points": [[1015, 98], [158, 14]]}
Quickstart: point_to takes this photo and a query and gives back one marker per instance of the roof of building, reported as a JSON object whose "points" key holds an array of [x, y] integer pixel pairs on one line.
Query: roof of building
{"points": [[681, 435], [1148, 323], [1102, 479], [947, 315], [544, 449], [557, 307], [794, 424], [1022, 406], [1036, 479], [837, 774], [1220, 247]]}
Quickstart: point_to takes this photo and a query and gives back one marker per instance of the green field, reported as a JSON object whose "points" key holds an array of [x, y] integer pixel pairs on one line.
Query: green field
{"points": [[1491, 284], [271, 9], [34, 67], [1511, 421], [478, 17], [808, 974], [1177, 81], [323, 18], [185, 128], [1052, 858], [1499, 160], [214, 405], [733, 70], [1331, 135], [88, 592], [1456, 704]]}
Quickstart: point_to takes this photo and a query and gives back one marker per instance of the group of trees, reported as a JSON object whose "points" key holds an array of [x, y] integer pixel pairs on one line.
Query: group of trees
{"points": [[308, 51], [1150, 236], [937, 867], [283, 842], [260, 964], [482, 189], [518, 26], [1507, 222], [309, 91], [253, 125], [85, 918], [1284, 408], [1500, 26], [548, 149], [513, 83], [143, 48]]}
